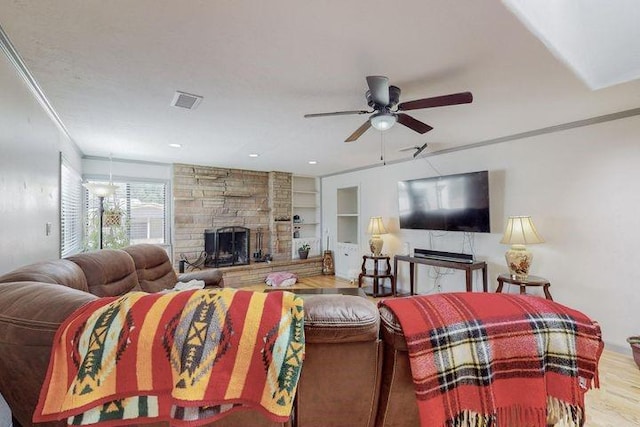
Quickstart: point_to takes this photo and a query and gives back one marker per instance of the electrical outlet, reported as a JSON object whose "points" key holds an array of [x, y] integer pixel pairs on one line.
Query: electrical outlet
{"points": [[47, 229]]}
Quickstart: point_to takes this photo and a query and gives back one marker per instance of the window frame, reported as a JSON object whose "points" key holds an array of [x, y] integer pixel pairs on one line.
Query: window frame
{"points": [[77, 200], [117, 179]]}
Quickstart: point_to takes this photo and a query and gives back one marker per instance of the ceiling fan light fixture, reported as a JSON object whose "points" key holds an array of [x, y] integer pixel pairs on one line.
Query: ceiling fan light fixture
{"points": [[383, 121]]}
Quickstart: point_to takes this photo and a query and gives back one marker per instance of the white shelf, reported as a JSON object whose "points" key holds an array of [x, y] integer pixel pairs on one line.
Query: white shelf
{"points": [[348, 214], [305, 203], [314, 242]]}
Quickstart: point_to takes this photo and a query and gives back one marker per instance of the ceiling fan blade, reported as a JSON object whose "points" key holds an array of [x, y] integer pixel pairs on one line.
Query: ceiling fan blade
{"points": [[362, 129], [337, 113], [437, 101], [412, 123], [379, 87]]}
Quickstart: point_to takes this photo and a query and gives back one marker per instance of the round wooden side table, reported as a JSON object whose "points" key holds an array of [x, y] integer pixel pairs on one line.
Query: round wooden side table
{"points": [[523, 283], [378, 290]]}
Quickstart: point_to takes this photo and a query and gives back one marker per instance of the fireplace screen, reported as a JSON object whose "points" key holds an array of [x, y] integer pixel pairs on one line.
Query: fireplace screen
{"points": [[227, 246]]}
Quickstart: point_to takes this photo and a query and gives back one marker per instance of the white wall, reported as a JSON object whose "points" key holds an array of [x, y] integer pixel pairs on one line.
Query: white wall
{"points": [[581, 187], [99, 167], [29, 174]]}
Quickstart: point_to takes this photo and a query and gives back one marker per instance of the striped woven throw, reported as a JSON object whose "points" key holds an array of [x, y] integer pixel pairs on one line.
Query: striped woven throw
{"points": [[481, 359], [188, 357]]}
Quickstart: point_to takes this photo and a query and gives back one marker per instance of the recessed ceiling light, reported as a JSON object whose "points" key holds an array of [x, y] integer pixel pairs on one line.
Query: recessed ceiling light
{"points": [[313, 162], [253, 155], [175, 145]]}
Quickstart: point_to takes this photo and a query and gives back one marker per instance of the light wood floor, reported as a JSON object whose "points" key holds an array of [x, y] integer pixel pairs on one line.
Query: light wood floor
{"points": [[615, 404]]}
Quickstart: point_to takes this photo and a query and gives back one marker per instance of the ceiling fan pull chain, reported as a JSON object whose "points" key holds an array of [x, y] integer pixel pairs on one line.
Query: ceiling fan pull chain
{"points": [[382, 149]]}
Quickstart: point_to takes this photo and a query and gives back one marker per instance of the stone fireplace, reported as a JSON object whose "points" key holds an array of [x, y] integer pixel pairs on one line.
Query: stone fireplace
{"points": [[227, 246], [209, 198]]}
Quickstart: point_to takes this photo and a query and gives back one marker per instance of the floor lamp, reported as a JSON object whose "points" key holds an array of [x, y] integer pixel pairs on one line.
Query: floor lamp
{"points": [[101, 191]]}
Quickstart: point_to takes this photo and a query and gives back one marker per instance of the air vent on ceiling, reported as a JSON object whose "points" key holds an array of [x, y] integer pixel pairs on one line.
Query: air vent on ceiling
{"points": [[185, 100]]}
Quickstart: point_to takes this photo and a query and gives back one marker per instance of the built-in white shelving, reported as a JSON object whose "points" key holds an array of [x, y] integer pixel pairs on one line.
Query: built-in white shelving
{"points": [[347, 247], [305, 215]]}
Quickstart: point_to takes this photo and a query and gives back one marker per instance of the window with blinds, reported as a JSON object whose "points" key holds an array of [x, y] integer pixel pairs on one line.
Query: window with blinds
{"points": [[136, 213], [70, 209]]}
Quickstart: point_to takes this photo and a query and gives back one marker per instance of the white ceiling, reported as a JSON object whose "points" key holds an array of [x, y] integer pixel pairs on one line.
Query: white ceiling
{"points": [[110, 70], [598, 39]]}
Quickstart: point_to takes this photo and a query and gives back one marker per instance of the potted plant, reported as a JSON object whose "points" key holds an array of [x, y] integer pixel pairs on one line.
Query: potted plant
{"points": [[303, 251]]}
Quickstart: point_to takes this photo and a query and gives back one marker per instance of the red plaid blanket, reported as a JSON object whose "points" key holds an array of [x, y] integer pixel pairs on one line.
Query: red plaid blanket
{"points": [[481, 359], [190, 357]]}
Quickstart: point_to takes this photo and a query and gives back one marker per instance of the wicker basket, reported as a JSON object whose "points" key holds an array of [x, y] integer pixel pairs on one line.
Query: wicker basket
{"points": [[112, 219]]}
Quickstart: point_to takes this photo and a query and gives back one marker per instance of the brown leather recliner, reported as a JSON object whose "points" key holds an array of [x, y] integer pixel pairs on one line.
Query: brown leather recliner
{"points": [[340, 378], [397, 406], [155, 272], [30, 313], [35, 300], [109, 272]]}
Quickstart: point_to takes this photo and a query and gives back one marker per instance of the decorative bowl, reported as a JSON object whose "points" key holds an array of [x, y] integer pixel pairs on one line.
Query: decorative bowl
{"points": [[636, 353], [634, 342]]}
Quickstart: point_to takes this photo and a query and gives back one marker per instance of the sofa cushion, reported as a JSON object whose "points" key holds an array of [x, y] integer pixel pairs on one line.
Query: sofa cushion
{"points": [[109, 272], [154, 270], [60, 271], [340, 319]]}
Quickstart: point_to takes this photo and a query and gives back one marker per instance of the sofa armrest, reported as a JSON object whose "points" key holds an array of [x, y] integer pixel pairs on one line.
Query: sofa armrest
{"points": [[211, 277], [30, 314]]}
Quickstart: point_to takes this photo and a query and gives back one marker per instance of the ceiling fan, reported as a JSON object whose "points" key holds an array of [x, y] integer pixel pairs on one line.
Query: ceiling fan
{"points": [[383, 98]]}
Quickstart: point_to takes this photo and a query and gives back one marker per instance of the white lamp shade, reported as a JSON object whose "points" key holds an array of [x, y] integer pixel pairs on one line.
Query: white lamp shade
{"points": [[101, 189], [520, 231], [376, 227], [383, 121]]}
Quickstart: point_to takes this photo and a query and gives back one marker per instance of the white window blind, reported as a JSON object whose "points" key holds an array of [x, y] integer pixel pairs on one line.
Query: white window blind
{"points": [[136, 213], [70, 210]]}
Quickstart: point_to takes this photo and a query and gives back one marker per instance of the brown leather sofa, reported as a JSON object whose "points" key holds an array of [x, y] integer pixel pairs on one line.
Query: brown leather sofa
{"points": [[340, 380], [33, 305]]}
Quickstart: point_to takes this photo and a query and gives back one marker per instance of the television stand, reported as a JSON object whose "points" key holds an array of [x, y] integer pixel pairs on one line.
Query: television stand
{"points": [[468, 267]]}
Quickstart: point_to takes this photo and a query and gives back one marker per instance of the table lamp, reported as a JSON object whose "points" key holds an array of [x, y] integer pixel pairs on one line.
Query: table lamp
{"points": [[519, 232], [376, 228]]}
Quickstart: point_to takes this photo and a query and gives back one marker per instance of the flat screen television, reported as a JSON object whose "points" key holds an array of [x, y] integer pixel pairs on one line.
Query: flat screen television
{"points": [[452, 203]]}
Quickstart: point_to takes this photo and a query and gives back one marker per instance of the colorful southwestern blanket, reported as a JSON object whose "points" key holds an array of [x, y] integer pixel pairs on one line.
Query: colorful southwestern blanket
{"points": [[188, 357], [480, 359]]}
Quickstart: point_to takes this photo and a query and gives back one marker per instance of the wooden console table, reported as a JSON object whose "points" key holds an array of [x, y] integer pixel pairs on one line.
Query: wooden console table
{"points": [[467, 267]]}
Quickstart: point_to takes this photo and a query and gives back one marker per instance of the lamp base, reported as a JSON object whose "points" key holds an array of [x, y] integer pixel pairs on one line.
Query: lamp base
{"points": [[375, 244], [519, 261]]}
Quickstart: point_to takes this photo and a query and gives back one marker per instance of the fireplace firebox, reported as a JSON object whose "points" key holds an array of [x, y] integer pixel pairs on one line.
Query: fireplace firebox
{"points": [[226, 246]]}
